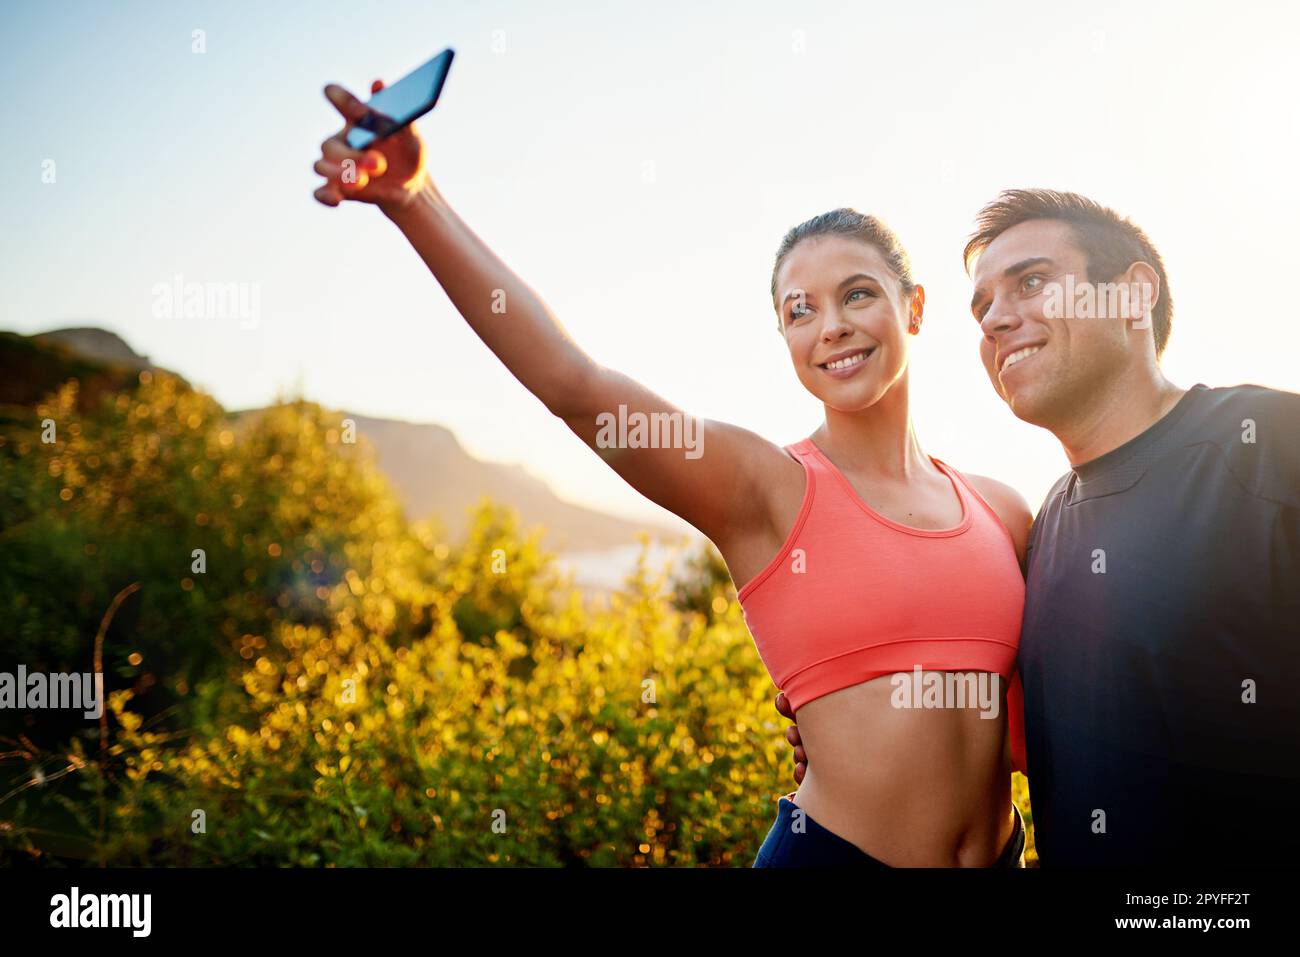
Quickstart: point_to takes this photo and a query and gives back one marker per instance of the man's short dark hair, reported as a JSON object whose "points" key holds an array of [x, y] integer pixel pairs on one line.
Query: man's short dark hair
{"points": [[1110, 241]]}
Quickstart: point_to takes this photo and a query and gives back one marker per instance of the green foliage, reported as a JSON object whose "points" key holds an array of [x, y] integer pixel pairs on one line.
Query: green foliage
{"points": [[338, 687]]}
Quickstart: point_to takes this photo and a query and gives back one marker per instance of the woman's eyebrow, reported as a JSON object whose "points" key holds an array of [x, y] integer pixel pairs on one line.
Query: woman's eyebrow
{"points": [[856, 277]]}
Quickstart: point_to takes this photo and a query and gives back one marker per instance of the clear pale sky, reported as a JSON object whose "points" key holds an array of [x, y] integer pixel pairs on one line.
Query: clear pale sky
{"points": [[637, 164]]}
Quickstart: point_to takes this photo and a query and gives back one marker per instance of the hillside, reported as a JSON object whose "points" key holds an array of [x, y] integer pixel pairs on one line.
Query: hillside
{"points": [[432, 475]]}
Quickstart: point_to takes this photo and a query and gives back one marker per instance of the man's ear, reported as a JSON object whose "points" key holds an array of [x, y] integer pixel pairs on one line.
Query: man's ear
{"points": [[1143, 285], [917, 307]]}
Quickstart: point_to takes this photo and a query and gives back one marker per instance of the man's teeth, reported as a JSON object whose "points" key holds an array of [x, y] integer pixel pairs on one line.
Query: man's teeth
{"points": [[846, 362], [1018, 355]]}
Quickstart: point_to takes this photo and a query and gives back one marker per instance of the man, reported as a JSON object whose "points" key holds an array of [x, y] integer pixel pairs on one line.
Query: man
{"points": [[1160, 646]]}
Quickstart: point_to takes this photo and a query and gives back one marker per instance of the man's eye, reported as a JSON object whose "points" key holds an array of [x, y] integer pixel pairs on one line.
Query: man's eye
{"points": [[1033, 278]]}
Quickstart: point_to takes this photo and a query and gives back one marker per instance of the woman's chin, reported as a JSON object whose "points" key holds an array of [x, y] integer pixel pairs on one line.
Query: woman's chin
{"points": [[853, 394], [861, 396]]}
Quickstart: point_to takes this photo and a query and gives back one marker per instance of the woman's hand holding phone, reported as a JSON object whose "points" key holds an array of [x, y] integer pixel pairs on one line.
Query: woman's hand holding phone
{"points": [[390, 173]]}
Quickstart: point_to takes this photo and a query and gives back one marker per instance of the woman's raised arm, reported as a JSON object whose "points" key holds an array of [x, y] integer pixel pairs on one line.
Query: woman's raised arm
{"points": [[707, 472]]}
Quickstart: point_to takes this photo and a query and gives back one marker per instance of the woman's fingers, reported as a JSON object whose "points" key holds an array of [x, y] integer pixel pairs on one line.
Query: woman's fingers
{"points": [[345, 174], [328, 195], [375, 163], [348, 105], [336, 150], [347, 171]]}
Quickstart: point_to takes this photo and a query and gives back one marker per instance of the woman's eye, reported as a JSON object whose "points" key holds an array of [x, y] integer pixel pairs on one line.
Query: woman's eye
{"points": [[866, 292], [797, 313]]}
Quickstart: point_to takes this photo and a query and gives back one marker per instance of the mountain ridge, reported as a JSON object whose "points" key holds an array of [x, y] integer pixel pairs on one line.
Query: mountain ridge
{"points": [[430, 471]]}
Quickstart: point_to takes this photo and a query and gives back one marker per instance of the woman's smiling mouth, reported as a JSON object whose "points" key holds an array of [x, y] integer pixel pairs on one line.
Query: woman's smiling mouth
{"points": [[846, 364]]}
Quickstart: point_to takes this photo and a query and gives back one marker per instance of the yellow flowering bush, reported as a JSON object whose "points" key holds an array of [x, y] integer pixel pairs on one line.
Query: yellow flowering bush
{"points": [[342, 688]]}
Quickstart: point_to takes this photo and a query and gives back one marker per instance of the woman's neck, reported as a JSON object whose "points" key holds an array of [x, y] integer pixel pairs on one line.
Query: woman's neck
{"points": [[878, 439]]}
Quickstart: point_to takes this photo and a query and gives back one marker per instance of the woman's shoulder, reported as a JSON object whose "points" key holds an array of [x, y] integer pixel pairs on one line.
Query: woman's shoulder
{"points": [[1009, 505]]}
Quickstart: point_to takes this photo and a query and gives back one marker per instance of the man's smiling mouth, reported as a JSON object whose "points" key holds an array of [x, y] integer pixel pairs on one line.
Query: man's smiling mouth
{"points": [[1020, 355]]}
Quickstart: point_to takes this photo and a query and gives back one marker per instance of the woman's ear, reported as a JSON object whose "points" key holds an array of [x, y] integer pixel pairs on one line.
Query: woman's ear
{"points": [[917, 310]]}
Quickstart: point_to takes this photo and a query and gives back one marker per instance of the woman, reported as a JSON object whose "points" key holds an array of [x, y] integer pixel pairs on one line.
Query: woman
{"points": [[852, 605]]}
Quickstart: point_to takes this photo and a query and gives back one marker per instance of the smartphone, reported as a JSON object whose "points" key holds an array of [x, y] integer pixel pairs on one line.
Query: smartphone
{"points": [[409, 98]]}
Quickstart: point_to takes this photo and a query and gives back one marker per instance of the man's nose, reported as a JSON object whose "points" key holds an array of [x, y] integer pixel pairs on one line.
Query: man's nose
{"points": [[999, 319]]}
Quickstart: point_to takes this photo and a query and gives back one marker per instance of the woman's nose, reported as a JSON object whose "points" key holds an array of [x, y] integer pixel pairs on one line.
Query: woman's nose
{"points": [[835, 325]]}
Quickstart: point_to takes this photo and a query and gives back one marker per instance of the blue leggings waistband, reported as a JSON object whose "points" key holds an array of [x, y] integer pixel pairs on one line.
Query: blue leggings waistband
{"points": [[818, 846]]}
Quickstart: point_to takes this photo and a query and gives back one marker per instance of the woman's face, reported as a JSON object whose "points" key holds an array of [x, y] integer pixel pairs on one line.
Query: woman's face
{"points": [[838, 299]]}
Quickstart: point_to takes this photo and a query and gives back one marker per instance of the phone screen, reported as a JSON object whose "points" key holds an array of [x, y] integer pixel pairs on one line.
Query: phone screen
{"points": [[394, 106]]}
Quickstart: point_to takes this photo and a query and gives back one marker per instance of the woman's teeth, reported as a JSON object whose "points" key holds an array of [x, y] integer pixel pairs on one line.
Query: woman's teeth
{"points": [[847, 361]]}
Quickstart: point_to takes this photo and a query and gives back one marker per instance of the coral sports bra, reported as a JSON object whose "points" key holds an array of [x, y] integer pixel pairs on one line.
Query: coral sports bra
{"points": [[853, 596]]}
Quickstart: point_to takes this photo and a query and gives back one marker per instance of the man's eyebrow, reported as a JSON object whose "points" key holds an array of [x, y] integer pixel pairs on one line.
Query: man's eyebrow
{"points": [[856, 277], [1010, 271]]}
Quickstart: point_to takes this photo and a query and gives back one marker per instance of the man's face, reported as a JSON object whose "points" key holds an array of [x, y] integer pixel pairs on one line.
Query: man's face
{"points": [[1045, 366]]}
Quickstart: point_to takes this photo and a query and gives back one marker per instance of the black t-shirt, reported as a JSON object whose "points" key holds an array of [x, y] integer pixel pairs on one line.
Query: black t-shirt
{"points": [[1160, 651]]}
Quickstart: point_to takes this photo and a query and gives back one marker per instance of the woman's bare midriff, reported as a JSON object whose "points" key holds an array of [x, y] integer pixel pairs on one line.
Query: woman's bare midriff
{"points": [[912, 787]]}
